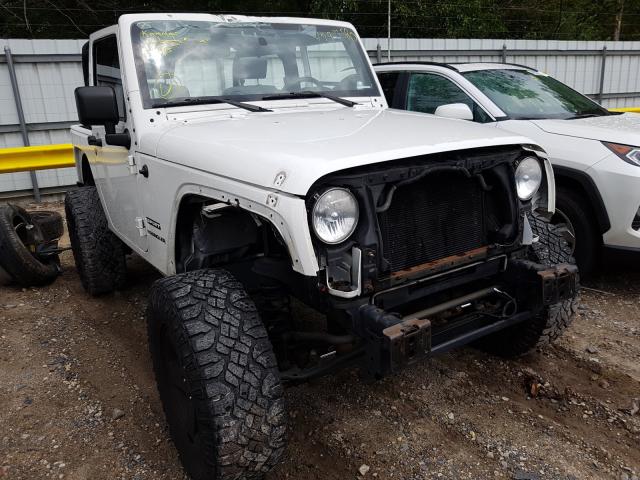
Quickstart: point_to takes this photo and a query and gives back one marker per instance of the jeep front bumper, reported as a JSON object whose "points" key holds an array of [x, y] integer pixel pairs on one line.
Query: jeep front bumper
{"points": [[393, 341]]}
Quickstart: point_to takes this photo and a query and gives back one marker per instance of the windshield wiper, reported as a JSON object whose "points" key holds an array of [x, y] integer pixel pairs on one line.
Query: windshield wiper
{"points": [[208, 100], [310, 94], [586, 115]]}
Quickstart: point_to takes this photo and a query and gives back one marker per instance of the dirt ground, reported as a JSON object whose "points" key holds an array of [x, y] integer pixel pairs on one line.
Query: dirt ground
{"points": [[78, 399]]}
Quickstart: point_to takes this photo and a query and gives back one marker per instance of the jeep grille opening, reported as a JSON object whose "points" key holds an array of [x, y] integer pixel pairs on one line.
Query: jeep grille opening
{"points": [[441, 215]]}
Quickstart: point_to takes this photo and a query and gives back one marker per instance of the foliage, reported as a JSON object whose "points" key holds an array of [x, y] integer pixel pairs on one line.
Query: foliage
{"points": [[535, 19]]}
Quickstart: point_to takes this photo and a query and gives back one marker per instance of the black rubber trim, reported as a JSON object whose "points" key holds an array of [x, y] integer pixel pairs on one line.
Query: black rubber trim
{"points": [[621, 256], [437, 64], [593, 194]]}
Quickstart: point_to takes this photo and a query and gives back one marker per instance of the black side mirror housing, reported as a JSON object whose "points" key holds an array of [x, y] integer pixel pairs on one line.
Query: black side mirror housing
{"points": [[97, 106], [119, 139]]}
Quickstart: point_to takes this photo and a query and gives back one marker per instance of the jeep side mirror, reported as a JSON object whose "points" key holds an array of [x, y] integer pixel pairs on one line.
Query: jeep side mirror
{"points": [[461, 111], [97, 106]]}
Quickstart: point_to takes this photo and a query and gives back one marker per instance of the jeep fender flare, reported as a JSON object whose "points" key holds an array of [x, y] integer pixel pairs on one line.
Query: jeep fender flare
{"points": [[83, 168], [286, 213]]}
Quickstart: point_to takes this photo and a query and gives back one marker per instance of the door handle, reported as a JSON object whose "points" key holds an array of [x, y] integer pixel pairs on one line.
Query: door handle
{"points": [[144, 171]]}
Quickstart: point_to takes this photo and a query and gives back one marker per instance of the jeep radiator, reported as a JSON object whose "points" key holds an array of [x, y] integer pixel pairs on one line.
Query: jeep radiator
{"points": [[440, 215]]}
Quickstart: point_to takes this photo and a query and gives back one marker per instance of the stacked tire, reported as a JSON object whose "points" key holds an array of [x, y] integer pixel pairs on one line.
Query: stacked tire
{"points": [[28, 246]]}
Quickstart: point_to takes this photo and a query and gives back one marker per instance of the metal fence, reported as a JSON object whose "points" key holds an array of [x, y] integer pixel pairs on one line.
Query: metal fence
{"points": [[47, 72], [609, 72]]}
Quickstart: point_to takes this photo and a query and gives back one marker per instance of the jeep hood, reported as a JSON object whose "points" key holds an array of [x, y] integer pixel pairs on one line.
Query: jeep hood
{"points": [[623, 128], [308, 144]]}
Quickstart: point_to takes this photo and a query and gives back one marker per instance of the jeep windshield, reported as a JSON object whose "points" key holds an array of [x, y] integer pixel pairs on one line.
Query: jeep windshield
{"points": [[528, 95], [177, 60]]}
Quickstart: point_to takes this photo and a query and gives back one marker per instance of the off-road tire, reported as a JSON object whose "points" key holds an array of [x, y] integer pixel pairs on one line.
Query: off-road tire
{"points": [[50, 223], [588, 240], [544, 328], [206, 337], [99, 254], [16, 258]]}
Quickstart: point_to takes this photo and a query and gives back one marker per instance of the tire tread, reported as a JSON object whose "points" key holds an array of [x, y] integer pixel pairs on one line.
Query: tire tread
{"points": [[544, 328], [99, 254], [225, 350]]}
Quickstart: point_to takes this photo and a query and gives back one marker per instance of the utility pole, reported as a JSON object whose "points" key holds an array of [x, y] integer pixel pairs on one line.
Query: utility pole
{"points": [[616, 33], [389, 32]]}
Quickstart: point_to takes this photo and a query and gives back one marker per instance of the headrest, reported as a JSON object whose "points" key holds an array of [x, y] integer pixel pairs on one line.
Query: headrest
{"points": [[249, 68]]}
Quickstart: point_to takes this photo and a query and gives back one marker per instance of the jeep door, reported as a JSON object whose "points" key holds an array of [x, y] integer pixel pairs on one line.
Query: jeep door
{"points": [[114, 166]]}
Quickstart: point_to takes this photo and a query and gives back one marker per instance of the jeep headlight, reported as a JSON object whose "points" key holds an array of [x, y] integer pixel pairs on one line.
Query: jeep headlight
{"points": [[528, 177], [335, 215]]}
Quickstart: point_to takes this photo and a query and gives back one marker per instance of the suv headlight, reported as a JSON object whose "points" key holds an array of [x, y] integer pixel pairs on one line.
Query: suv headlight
{"points": [[528, 177], [335, 215], [627, 153]]}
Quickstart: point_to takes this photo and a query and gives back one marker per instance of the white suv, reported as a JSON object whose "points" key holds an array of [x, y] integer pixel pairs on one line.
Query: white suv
{"points": [[595, 153]]}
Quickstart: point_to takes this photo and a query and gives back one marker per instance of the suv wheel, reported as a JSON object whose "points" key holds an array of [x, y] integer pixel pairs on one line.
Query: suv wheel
{"points": [[217, 376], [550, 249], [99, 254], [574, 217]]}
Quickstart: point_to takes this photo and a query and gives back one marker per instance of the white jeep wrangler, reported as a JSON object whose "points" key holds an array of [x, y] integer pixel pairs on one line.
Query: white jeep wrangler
{"points": [[254, 160]]}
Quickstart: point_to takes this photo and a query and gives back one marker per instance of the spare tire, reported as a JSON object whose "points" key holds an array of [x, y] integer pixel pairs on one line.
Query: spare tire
{"points": [[19, 240], [50, 224]]}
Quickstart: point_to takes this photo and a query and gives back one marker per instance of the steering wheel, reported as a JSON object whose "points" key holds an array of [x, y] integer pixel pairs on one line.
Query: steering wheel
{"points": [[350, 82], [298, 83]]}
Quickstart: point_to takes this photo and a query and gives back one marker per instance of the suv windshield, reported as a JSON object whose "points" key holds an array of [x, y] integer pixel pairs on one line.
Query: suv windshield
{"points": [[179, 60], [528, 95]]}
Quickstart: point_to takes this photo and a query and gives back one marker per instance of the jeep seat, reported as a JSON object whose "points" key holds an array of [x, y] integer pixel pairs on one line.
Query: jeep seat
{"points": [[249, 68]]}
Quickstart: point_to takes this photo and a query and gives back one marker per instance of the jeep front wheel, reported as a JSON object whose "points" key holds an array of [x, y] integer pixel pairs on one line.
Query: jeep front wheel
{"points": [[217, 376], [542, 329]]}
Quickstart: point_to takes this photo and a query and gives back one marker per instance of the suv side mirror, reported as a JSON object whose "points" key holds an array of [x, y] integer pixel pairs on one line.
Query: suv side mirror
{"points": [[461, 111], [97, 106]]}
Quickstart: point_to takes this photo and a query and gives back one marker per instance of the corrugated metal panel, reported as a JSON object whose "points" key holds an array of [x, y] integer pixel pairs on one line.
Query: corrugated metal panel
{"points": [[47, 88], [579, 70]]}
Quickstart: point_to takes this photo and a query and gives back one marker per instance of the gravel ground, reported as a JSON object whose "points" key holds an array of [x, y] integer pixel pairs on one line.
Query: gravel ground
{"points": [[78, 399]]}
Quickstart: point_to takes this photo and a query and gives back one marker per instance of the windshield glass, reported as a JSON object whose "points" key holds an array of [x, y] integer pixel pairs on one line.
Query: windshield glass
{"points": [[522, 94], [247, 61]]}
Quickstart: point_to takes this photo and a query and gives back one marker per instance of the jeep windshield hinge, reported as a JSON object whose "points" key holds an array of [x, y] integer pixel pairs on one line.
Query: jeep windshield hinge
{"points": [[131, 160], [142, 229]]}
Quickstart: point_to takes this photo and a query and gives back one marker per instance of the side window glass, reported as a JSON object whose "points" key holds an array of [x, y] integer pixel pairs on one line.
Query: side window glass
{"points": [[427, 91], [388, 81], [106, 71]]}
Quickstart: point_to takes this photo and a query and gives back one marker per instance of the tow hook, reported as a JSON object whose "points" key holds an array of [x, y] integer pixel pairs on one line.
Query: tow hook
{"points": [[559, 283], [393, 342]]}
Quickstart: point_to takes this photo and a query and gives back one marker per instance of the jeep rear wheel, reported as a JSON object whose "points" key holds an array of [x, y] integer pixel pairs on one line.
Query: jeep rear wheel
{"points": [[217, 376], [550, 249], [99, 254]]}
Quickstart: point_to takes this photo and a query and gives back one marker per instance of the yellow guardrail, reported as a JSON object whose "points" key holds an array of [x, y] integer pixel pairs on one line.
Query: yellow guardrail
{"points": [[630, 109], [41, 157]]}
